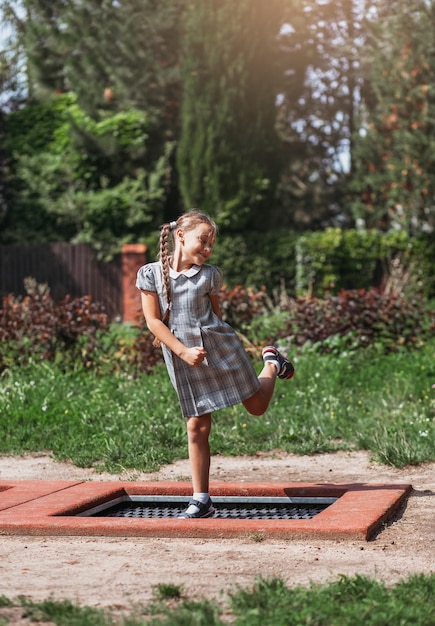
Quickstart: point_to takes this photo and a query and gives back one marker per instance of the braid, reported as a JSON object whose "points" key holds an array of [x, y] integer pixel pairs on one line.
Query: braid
{"points": [[164, 260]]}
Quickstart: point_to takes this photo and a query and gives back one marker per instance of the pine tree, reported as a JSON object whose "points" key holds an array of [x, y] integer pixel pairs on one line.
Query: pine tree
{"points": [[37, 27], [228, 158], [112, 55], [119, 59]]}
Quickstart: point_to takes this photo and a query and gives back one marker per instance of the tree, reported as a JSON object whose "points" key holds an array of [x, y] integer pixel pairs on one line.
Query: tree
{"points": [[112, 55], [77, 179], [119, 59], [393, 183], [322, 41], [228, 155]]}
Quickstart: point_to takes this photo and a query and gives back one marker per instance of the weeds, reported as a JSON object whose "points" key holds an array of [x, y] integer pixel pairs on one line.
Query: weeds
{"points": [[270, 602], [348, 601]]}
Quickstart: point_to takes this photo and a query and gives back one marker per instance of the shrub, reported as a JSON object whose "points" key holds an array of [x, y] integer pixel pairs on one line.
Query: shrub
{"points": [[36, 326], [240, 306], [76, 332], [146, 355], [335, 259], [355, 319]]}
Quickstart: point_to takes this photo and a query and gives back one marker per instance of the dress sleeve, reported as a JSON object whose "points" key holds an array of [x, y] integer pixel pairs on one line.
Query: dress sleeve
{"points": [[216, 281], [146, 279]]}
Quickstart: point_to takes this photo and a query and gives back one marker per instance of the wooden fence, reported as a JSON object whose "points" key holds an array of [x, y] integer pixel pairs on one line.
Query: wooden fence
{"points": [[73, 269]]}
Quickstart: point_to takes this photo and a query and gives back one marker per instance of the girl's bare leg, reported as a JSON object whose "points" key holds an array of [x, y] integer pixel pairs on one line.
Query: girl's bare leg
{"points": [[198, 433], [259, 402]]}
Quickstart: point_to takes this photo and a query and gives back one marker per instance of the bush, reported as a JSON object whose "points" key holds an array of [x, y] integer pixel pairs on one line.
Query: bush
{"points": [[357, 319], [256, 260], [240, 306], [35, 326], [76, 333], [335, 259], [146, 355]]}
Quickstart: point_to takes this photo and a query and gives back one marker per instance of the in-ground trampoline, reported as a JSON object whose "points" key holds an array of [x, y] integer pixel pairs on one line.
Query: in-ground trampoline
{"points": [[278, 510]]}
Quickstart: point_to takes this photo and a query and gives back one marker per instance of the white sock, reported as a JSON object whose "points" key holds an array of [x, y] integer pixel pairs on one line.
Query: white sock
{"points": [[201, 497], [275, 363]]}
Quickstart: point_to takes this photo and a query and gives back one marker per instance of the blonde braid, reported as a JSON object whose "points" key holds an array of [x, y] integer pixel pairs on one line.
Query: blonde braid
{"points": [[164, 259]]}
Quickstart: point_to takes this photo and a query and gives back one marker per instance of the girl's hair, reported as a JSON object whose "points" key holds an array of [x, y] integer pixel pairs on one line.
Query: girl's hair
{"points": [[187, 221]]}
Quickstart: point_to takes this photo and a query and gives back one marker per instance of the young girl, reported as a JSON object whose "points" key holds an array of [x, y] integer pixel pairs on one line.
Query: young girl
{"points": [[205, 359]]}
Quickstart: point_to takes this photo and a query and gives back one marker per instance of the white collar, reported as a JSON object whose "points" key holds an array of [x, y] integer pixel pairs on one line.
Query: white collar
{"points": [[189, 273]]}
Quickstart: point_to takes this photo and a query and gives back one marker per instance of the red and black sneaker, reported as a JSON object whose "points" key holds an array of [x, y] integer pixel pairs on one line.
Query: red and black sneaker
{"points": [[286, 369]]}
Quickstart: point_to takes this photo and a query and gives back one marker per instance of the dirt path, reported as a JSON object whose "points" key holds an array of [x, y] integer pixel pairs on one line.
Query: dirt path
{"points": [[113, 572]]}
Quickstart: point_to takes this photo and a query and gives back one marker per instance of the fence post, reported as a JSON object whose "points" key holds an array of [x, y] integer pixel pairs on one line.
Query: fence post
{"points": [[133, 257]]}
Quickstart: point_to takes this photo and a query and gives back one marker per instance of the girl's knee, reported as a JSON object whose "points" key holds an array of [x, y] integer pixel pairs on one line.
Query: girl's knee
{"points": [[257, 412], [198, 427], [255, 406]]}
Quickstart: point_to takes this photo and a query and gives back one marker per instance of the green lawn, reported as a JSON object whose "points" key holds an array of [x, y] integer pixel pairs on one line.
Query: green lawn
{"points": [[362, 401]]}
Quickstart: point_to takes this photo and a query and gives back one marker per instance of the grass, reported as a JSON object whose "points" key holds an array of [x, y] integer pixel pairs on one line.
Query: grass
{"points": [[362, 401], [344, 602]]}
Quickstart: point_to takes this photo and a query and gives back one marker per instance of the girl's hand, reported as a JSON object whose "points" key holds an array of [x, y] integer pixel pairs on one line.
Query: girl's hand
{"points": [[194, 356]]}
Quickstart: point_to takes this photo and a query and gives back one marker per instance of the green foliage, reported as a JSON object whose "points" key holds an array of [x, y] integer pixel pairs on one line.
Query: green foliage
{"points": [[187, 613], [64, 613], [87, 181], [348, 601], [76, 332], [321, 45], [251, 259], [168, 591], [30, 130], [106, 421], [323, 262], [257, 259], [227, 154], [335, 259], [113, 55], [262, 99], [393, 182]]}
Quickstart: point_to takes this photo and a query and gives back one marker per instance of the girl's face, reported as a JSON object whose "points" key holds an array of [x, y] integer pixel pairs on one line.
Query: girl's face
{"points": [[195, 245]]}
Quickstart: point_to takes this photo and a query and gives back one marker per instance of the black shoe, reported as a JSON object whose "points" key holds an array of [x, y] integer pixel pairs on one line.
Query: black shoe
{"points": [[286, 369], [204, 510]]}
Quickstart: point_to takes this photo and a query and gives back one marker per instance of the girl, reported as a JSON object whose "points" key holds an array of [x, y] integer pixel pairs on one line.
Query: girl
{"points": [[205, 359]]}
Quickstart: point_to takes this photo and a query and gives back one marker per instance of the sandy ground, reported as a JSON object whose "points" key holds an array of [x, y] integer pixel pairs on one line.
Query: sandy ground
{"points": [[119, 573]]}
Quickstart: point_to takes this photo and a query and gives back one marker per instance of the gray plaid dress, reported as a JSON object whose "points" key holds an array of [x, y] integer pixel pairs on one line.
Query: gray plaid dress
{"points": [[226, 376]]}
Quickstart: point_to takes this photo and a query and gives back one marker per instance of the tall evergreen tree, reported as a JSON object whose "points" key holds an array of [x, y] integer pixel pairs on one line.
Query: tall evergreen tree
{"points": [[37, 27], [120, 61], [112, 55], [393, 183], [228, 155]]}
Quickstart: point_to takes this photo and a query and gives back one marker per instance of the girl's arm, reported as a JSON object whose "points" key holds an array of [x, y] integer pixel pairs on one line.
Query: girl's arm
{"points": [[216, 306], [151, 311]]}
